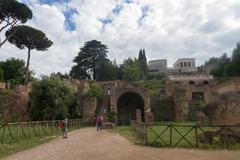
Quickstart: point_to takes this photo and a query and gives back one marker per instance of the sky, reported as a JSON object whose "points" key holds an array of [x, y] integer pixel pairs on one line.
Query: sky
{"points": [[166, 29]]}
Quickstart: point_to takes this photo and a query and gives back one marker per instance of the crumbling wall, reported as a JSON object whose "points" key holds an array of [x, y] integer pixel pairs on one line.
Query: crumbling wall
{"points": [[225, 109], [14, 105], [89, 108]]}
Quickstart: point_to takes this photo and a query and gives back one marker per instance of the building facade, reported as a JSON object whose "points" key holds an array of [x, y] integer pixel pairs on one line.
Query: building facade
{"points": [[159, 65], [185, 65]]}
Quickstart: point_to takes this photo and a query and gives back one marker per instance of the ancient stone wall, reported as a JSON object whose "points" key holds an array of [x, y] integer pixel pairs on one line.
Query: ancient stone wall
{"points": [[89, 108], [14, 106], [225, 109], [2, 85], [232, 85]]}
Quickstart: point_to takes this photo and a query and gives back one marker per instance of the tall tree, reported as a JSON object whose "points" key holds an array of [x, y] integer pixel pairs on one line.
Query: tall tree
{"points": [[1, 75], [235, 61], [89, 59], [132, 71], [223, 64], [11, 14], [143, 61], [30, 38], [107, 71]]}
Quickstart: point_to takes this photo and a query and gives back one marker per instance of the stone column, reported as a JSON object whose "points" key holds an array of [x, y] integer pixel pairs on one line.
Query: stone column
{"points": [[139, 115]]}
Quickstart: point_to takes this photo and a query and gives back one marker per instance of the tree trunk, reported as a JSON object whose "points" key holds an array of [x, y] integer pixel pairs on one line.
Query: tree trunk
{"points": [[27, 68]]}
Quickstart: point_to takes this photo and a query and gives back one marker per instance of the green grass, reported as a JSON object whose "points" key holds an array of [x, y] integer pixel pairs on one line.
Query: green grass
{"points": [[125, 131], [5, 92], [25, 137], [8, 149], [154, 141]]}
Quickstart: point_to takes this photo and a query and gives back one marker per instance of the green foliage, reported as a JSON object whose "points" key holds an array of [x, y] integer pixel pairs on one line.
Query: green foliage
{"points": [[1, 75], [154, 86], [13, 70], [30, 38], [108, 71], [155, 76], [93, 89], [62, 76], [12, 9], [226, 67], [143, 61], [235, 63], [223, 66], [89, 60], [6, 92], [12, 12], [51, 98], [112, 115], [132, 71]]}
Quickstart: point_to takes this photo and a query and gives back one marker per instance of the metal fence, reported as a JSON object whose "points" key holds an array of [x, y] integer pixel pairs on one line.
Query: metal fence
{"points": [[199, 136], [11, 133]]}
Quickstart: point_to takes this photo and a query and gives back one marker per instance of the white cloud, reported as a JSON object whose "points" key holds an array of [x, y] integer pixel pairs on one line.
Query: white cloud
{"points": [[169, 29]]}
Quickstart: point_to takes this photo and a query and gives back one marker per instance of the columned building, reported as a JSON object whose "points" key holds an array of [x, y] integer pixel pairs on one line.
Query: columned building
{"points": [[159, 65], [185, 65]]}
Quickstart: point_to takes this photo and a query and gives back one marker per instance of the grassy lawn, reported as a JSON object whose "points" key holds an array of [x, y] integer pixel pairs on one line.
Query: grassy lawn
{"points": [[125, 131], [177, 133], [8, 149], [25, 137], [154, 141]]}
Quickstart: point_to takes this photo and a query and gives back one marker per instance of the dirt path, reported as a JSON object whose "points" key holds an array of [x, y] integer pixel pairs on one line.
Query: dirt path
{"points": [[87, 144]]}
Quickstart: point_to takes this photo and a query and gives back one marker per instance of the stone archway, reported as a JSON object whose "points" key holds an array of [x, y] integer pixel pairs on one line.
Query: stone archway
{"points": [[128, 104]]}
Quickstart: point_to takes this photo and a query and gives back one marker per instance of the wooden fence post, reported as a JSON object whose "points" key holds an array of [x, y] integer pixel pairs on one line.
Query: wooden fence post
{"points": [[196, 134], [170, 135], [146, 134], [3, 133]]}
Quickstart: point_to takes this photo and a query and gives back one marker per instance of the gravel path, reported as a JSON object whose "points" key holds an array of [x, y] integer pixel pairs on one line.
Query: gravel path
{"points": [[88, 144]]}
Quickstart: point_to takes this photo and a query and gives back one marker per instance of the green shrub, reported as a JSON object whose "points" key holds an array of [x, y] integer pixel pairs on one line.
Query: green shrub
{"points": [[1, 75], [50, 98], [93, 89], [112, 116]]}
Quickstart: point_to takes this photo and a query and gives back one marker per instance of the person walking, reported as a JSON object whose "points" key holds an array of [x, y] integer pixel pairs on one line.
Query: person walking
{"points": [[63, 126], [99, 122]]}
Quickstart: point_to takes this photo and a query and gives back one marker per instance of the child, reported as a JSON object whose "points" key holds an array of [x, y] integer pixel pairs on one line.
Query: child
{"points": [[63, 126]]}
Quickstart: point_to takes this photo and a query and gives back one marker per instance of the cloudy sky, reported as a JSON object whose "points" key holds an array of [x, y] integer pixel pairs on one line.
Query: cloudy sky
{"points": [[169, 29]]}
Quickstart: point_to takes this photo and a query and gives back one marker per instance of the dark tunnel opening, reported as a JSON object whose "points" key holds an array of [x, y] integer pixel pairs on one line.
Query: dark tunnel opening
{"points": [[128, 104]]}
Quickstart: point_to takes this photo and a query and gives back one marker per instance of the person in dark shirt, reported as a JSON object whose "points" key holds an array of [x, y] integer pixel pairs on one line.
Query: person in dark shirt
{"points": [[99, 122]]}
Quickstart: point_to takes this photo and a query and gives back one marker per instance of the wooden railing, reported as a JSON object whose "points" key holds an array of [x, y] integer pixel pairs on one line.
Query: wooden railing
{"points": [[199, 136], [11, 133]]}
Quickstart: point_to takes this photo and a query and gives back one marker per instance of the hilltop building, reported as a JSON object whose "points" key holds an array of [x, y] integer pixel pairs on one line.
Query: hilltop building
{"points": [[186, 65], [159, 65]]}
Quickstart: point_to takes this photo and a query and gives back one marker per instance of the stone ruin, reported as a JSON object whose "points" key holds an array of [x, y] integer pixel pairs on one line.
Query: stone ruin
{"points": [[225, 109], [126, 100], [15, 105], [209, 102], [205, 101]]}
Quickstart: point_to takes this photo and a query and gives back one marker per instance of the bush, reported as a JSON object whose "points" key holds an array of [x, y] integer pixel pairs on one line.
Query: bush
{"points": [[112, 116], [155, 76], [1, 75], [51, 98], [93, 89]]}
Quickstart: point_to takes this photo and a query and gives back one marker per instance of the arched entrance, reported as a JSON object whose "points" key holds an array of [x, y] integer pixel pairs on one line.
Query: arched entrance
{"points": [[127, 106]]}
